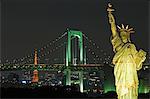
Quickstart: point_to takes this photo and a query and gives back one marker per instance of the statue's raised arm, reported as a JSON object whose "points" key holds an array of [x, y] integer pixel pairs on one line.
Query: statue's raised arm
{"points": [[112, 20]]}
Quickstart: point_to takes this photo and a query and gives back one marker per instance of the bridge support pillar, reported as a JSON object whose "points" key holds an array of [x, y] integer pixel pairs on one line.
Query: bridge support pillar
{"points": [[68, 76], [78, 34], [81, 80]]}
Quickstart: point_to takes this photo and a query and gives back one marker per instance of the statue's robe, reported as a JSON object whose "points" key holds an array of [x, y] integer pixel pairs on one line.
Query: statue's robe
{"points": [[127, 62]]}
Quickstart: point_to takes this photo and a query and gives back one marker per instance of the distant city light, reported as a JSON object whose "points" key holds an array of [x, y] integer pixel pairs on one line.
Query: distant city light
{"points": [[24, 82]]}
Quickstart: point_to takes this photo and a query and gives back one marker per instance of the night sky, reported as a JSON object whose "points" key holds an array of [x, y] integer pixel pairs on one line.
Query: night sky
{"points": [[29, 24]]}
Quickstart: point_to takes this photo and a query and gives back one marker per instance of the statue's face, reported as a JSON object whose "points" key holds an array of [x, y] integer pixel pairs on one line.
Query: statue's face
{"points": [[124, 36]]}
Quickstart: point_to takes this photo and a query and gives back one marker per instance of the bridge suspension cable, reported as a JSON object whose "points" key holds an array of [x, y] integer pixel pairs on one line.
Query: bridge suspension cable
{"points": [[29, 57], [42, 49], [105, 58]]}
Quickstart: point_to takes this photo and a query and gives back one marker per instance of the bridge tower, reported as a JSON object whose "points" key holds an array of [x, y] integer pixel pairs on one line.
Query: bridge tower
{"points": [[78, 34], [35, 72]]}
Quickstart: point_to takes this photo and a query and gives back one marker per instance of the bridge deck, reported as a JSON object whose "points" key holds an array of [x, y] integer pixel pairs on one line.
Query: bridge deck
{"points": [[50, 67], [55, 67]]}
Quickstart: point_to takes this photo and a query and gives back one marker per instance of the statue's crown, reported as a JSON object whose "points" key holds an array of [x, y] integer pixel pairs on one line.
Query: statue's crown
{"points": [[126, 29]]}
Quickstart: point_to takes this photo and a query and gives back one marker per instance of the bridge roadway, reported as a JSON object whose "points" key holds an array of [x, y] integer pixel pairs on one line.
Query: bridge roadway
{"points": [[56, 67], [49, 67]]}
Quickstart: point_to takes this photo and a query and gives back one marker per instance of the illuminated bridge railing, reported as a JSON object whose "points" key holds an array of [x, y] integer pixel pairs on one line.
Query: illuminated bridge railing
{"points": [[48, 67]]}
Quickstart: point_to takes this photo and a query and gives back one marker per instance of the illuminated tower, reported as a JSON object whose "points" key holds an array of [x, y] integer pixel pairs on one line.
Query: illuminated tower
{"points": [[78, 34], [35, 72]]}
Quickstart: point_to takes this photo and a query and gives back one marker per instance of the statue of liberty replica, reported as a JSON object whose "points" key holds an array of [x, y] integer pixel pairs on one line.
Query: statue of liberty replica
{"points": [[127, 59]]}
